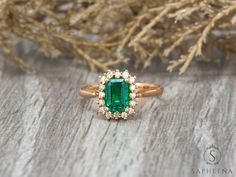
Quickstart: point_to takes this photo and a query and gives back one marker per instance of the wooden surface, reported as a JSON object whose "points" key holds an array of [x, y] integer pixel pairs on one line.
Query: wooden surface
{"points": [[46, 129]]}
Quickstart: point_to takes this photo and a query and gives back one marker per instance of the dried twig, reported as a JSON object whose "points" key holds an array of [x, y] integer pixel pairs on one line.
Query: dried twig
{"points": [[103, 33]]}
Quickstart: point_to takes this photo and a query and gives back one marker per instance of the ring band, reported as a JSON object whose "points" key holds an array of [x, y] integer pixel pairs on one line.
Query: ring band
{"points": [[143, 90], [117, 93]]}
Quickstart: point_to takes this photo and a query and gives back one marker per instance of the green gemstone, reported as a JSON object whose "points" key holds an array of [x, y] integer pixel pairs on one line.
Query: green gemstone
{"points": [[117, 95]]}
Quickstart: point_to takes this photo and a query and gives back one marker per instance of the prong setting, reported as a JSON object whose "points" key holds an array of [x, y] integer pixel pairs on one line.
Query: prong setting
{"points": [[132, 94]]}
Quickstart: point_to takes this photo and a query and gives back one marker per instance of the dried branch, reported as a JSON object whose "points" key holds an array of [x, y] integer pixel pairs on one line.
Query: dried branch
{"points": [[103, 33]]}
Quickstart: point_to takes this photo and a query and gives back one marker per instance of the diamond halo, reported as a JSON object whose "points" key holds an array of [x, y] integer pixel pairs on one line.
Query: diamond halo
{"points": [[128, 79]]}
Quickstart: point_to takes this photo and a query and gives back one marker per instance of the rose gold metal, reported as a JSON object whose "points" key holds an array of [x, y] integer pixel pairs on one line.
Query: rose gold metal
{"points": [[89, 91], [147, 90], [143, 90]]}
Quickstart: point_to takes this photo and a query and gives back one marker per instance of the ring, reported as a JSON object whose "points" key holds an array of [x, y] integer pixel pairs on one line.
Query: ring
{"points": [[117, 92]]}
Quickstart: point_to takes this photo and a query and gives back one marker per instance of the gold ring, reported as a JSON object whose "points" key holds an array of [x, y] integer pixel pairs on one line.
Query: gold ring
{"points": [[117, 92]]}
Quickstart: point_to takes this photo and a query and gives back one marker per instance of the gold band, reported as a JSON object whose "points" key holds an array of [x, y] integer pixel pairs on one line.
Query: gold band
{"points": [[143, 90]]}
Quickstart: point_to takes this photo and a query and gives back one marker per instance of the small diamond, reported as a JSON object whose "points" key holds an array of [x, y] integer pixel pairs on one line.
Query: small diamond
{"points": [[102, 110], [108, 115], [125, 74], [124, 115], [132, 87], [103, 79], [101, 87], [101, 102], [132, 95], [131, 111], [117, 74], [101, 94], [132, 103], [116, 115], [109, 74], [131, 80]]}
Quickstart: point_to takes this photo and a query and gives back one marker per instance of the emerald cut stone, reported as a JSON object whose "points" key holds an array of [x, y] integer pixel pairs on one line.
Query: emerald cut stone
{"points": [[117, 95]]}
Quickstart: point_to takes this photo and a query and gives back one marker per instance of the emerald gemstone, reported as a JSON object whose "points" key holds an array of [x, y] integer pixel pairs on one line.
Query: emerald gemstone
{"points": [[117, 95]]}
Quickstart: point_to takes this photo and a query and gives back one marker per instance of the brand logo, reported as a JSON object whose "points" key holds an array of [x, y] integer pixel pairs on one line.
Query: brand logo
{"points": [[212, 155]]}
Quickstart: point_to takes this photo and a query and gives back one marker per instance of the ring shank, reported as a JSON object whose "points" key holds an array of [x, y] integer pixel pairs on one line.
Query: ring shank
{"points": [[143, 90]]}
